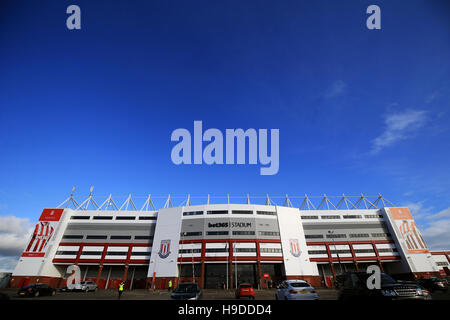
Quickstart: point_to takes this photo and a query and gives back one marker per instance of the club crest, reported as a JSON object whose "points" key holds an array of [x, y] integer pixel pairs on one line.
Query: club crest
{"points": [[295, 247], [164, 249]]}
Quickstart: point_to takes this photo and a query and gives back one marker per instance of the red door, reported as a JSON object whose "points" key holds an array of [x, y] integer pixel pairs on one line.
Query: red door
{"points": [[328, 282]]}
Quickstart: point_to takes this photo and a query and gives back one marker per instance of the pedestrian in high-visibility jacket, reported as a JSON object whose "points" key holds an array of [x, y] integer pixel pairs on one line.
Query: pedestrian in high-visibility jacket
{"points": [[170, 285], [121, 286]]}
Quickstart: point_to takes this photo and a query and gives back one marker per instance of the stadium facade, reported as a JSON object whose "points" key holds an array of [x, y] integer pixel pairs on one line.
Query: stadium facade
{"points": [[224, 244]]}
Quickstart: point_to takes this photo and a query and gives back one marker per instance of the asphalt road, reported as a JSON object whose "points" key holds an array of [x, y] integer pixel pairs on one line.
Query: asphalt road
{"points": [[208, 294]]}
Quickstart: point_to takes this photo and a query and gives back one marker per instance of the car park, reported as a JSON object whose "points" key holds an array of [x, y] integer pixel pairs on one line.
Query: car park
{"points": [[353, 286], [245, 290], [295, 290], [433, 284], [36, 290], [187, 291]]}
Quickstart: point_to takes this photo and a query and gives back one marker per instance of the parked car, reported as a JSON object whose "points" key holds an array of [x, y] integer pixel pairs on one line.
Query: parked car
{"points": [[433, 284], [245, 290], [4, 296], [187, 291], [295, 290], [65, 289], [36, 290], [353, 286], [87, 286]]}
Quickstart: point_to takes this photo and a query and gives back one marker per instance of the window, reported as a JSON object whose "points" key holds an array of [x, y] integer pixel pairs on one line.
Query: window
{"points": [[369, 216], [103, 218], [439, 264], [69, 236], [363, 250], [217, 212], [339, 251], [96, 237], [92, 253], [67, 253], [117, 253], [317, 252], [359, 235], [313, 236], [267, 213], [310, 217], [143, 237], [270, 250], [120, 237], [356, 216], [217, 233], [216, 250], [80, 217], [243, 233], [269, 233], [330, 217], [147, 218], [189, 251], [299, 284], [191, 234], [140, 253], [381, 235], [242, 212], [192, 213], [334, 236], [245, 249], [387, 250], [125, 218]]}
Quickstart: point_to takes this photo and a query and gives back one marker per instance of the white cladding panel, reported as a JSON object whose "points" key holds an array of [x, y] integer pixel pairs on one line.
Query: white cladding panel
{"points": [[168, 228], [439, 258], [291, 232], [43, 266]]}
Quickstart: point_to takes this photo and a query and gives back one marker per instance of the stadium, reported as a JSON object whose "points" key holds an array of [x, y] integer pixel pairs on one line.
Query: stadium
{"points": [[225, 243]]}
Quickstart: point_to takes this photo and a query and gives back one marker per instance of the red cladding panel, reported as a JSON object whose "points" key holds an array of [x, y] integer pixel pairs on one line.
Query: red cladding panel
{"points": [[51, 215]]}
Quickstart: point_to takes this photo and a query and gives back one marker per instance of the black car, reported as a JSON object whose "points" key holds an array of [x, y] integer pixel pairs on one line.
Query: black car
{"points": [[36, 290], [433, 284], [187, 291], [4, 296], [65, 289], [353, 286]]}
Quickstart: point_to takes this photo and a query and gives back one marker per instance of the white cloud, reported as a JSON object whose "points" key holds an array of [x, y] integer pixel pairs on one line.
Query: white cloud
{"points": [[437, 234], [418, 210], [7, 264], [337, 88], [431, 97], [14, 235], [399, 126], [442, 214]]}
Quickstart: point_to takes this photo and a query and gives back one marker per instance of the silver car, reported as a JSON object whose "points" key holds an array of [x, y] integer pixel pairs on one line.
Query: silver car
{"points": [[295, 290], [87, 286]]}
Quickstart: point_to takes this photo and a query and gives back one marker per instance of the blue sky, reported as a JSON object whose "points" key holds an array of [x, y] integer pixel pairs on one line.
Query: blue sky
{"points": [[358, 110]]}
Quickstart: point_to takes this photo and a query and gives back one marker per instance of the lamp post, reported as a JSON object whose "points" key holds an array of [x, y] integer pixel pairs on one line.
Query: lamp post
{"points": [[331, 233], [183, 234], [192, 255], [235, 265], [226, 249]]}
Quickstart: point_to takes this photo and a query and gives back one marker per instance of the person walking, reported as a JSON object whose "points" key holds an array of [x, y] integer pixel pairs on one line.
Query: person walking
{"points": [[170, 285], [121, 285]]}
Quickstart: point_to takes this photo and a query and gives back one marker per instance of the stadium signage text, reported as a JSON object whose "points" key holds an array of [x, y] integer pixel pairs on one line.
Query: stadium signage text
{"points": [[213, 152], [233, 225]]}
